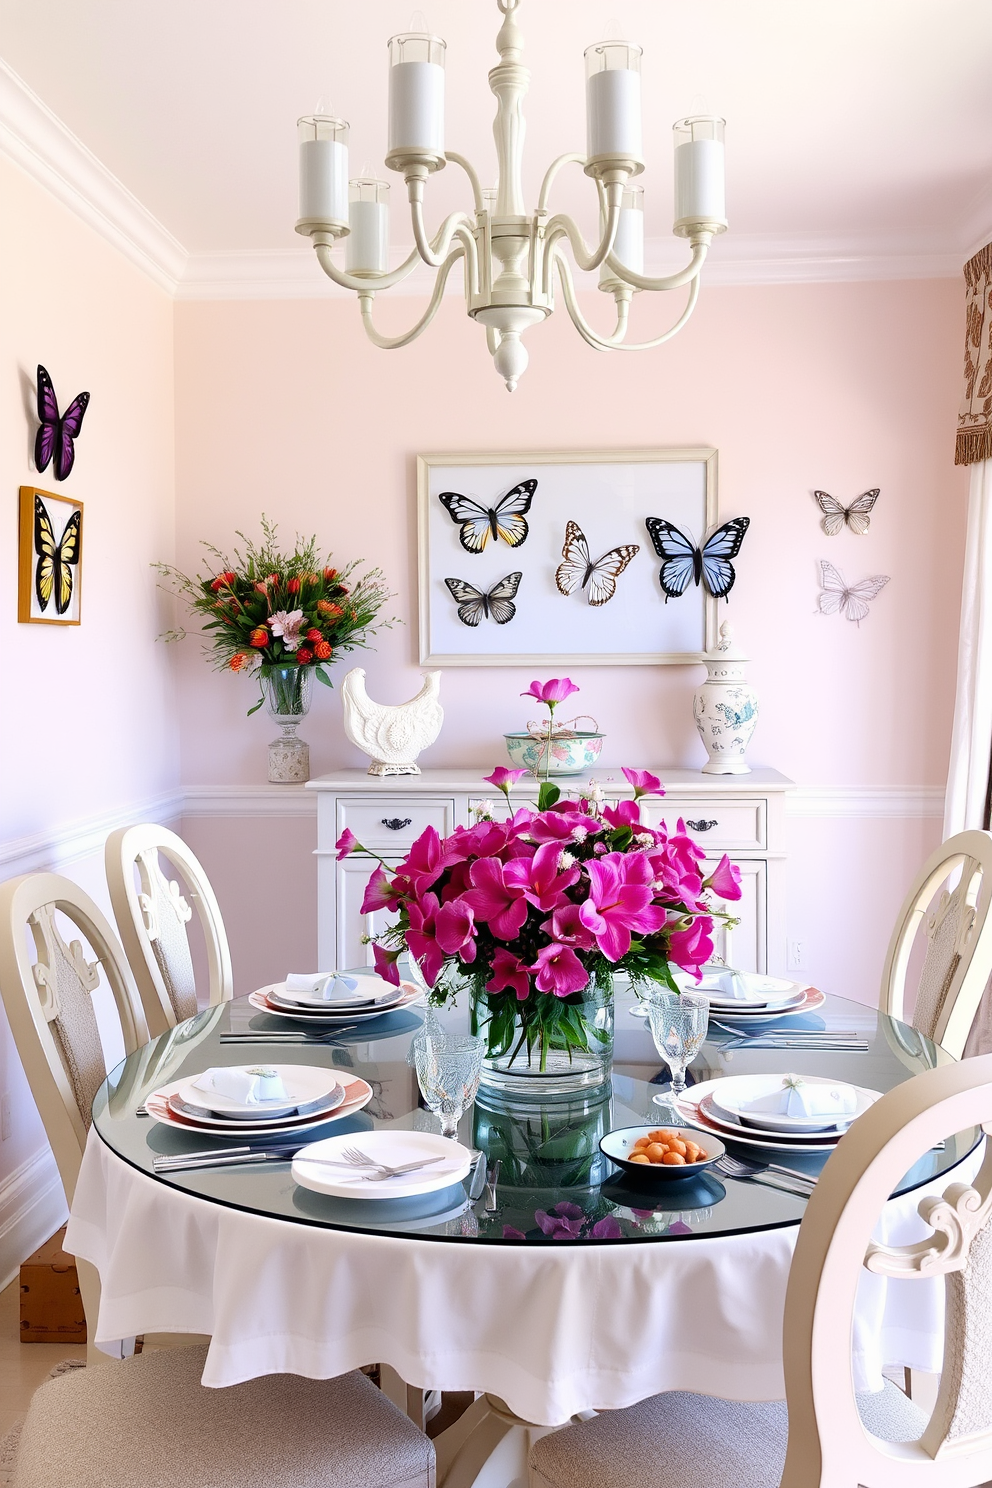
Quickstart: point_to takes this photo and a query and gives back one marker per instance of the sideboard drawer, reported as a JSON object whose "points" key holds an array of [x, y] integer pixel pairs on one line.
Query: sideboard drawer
{"points": [[723, 826], [390, 823]]}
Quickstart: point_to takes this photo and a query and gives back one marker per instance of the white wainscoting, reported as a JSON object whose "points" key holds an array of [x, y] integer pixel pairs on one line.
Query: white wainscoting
{"points": [[32, 1207]]}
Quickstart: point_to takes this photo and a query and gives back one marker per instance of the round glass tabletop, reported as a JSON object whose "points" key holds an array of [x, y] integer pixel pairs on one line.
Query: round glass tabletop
{"points": [[554, 1183]]}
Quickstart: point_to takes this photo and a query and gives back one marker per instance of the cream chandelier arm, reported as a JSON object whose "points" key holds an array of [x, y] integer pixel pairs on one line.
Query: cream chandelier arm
{"points": [[616, 341], [510, 255]]}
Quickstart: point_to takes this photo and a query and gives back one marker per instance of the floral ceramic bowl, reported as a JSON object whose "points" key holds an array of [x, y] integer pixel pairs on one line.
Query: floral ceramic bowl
{"points": [[569, 755]]}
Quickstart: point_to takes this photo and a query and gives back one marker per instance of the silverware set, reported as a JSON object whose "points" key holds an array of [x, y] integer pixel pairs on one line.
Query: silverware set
{"points": [[773, 1175], [289, 1036], [233, 1157], [844, 1039]]}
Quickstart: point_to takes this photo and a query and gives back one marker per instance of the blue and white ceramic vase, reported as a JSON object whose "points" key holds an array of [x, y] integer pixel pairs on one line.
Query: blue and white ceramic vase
{"points": [[725, 708]]}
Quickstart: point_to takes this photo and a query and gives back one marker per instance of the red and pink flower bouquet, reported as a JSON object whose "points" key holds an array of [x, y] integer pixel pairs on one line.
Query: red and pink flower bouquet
{"points": [[536, 914]]}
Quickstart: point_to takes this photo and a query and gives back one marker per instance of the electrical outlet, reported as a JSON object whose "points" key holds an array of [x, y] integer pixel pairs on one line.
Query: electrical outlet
{"points": [[797, 955], [6, 1125]]}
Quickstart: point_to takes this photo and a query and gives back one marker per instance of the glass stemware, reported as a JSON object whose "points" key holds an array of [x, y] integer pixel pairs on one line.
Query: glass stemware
{"points": [[678, 1026], [448, 1070]]}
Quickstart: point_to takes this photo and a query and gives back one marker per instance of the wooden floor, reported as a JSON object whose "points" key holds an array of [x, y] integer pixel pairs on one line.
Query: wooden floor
{"points": [[23, 1366]]}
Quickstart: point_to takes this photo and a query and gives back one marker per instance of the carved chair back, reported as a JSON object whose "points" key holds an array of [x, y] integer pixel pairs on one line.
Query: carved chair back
{"points": [[152, 914], [828, 1445], [48, 997], [958, 962]]}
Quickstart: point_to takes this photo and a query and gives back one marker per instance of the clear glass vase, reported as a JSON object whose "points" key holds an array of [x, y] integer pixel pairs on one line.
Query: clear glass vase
{"points": [[531, 1061], [288, 691]]}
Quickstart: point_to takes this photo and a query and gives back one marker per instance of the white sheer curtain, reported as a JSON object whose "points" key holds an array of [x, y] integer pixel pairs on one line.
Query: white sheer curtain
{"points": [[971, 739]]}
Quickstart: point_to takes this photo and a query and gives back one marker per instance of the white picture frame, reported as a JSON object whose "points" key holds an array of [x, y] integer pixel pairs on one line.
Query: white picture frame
{"points": [[609, 493]]}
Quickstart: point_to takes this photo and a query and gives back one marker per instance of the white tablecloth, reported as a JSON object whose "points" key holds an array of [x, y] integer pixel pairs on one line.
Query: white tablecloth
{"points": [[552, 1329]]}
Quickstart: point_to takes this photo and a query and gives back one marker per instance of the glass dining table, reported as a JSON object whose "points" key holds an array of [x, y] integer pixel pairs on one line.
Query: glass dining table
{"points": [[564, 1286]]}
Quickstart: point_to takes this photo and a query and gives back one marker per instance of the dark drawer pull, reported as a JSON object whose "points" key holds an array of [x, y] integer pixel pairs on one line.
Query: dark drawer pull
{"points": [[701, 825], [395, 823]]}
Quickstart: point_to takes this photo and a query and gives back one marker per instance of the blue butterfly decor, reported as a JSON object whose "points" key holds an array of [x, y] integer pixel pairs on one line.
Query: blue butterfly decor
{"points": [[685, 562]]}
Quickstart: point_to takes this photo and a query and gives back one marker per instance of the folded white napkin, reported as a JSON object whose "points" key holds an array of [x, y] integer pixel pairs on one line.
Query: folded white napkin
{"points": [[728, 986], [252, 1086], [329, 986], [797, 1098]]}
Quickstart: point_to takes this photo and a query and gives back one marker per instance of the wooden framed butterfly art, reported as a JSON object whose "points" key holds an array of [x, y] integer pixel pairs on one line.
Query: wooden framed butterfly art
{"points": [[549, 557], [50, 555]]}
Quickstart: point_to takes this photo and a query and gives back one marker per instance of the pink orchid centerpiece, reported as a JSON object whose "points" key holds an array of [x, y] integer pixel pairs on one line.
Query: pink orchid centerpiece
{"points": [[535, 914]]}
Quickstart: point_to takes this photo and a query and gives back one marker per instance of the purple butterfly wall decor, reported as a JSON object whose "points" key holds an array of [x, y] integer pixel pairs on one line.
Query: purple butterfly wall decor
{"points": [[55, 436]]}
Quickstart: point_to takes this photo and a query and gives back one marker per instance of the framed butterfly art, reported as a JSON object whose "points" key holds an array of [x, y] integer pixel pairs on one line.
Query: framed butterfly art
{"points": [[50, 551], [540, 557]]}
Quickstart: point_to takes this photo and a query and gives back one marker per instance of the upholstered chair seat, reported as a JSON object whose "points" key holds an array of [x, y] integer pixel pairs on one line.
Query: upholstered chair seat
{"points": [[149, 1423]]}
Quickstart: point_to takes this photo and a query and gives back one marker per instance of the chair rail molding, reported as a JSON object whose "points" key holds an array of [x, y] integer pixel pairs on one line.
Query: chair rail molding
{"points": [[55, 846], [909, 802], [37, 141]]}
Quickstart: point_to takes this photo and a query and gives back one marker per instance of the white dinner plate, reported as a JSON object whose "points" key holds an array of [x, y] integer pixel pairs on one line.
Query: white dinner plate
{"points": [[692, 1111], [810, 1000], [730, 1094], [371, 991], [304, 1085], [260, 1000], [357, 1093], [393, 1148], [760, 991]]}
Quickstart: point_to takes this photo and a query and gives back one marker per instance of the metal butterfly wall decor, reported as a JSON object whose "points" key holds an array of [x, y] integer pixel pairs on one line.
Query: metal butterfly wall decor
{"points": [[506, 520], [56, 435], [850, 600], [857, 515], [496, 605], [577, 570], [684, 562]]}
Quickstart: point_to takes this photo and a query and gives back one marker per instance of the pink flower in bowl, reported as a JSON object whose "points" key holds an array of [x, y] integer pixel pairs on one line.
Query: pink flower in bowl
{"points": [[553, 692]]}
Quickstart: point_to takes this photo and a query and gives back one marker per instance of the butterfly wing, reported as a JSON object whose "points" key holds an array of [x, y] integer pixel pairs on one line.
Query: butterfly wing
{"points": [[501, 596], [833, 590], [855, 600], [604, 574], [476, 527], [472, 603], [48, 415], [44, 546], [857, 514], [66, 558], [725, 543], [680, 555], [510, 513], [834, 514], [572, 571], [69, 426]]}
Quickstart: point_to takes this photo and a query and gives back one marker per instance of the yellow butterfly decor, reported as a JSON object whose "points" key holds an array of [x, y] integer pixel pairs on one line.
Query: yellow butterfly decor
{"points": [[49, 565]]}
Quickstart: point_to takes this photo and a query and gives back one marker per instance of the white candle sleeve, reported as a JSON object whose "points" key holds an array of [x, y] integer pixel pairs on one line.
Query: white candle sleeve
{"points": [[323, 181], [367, 246], [628, 245], [613, 114], [416, 107], [700, 194]]}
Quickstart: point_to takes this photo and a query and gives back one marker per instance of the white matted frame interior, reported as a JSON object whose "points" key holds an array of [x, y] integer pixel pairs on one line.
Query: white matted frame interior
{"points": [[608, 494]]}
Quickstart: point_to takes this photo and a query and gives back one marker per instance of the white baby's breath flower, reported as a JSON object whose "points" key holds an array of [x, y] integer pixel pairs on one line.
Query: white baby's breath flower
{"points": [[596, 792], [565, 861], [645, 839], [483, 809], [579, 834]]}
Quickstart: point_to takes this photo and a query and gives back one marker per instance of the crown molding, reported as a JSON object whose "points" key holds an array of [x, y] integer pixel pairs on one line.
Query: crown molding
{"points": [[37, 141]]}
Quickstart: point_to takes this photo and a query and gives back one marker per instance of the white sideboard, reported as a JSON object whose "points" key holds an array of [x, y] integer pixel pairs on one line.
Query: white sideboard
{"points": [[741, 815]]}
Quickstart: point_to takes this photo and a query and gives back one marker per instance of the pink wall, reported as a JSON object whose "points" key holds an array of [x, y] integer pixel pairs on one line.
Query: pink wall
{"points": [[285, 408], [89, 721]]}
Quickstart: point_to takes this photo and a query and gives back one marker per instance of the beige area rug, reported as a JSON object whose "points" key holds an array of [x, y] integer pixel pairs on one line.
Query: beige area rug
{"points": [[8, 1446]]}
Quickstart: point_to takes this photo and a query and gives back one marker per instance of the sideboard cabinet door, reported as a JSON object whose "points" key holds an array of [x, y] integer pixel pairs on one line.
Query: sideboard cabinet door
{"points": [[744, 945], [353, 873]]}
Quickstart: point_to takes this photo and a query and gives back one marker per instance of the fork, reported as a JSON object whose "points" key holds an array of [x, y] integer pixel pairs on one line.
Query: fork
{"points": [[811, 1033], [736, 1167], [357, 1159]]}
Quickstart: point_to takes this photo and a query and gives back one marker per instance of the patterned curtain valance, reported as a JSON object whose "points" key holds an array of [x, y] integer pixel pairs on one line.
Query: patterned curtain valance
{"points": [[974, 441]]}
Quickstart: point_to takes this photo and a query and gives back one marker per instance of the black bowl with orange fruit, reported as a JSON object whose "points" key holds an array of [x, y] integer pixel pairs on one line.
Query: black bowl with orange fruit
{"points": [[648, 1152]]}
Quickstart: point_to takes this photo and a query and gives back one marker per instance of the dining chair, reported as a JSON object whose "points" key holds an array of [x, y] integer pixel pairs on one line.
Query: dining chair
{"points": [[152, 914], [824, 1435], [150, 1422], [958, 961], [48, 997]]}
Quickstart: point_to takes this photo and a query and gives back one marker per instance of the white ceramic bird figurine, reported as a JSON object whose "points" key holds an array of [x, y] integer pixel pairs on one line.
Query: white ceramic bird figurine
{"points": [[392, 734]]}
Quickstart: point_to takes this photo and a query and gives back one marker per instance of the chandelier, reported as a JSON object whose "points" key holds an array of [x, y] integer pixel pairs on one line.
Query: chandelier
{"points": [[510, 257]]}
